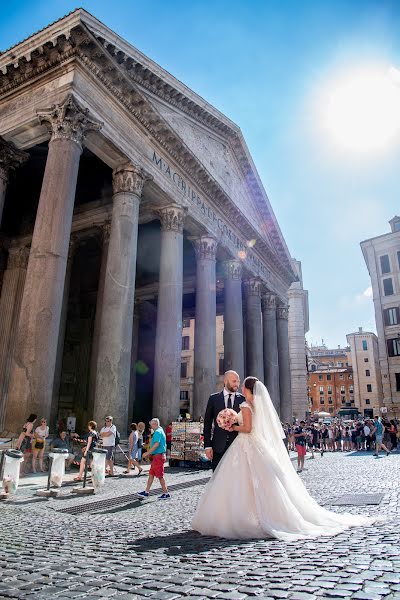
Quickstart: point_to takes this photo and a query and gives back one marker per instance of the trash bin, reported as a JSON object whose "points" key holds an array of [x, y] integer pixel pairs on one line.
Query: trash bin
{"points": [[98, 467], [58, 456], [12, 461]]}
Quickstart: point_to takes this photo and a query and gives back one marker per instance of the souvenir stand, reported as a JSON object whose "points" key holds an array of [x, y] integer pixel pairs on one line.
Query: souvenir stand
{"points": [[187, 448]]}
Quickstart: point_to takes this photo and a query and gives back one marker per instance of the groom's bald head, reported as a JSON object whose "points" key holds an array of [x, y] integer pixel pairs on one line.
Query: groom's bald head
{"points": [[231, 381]]}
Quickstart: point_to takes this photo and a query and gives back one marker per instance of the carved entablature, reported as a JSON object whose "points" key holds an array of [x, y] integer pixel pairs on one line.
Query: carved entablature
{"points": [[18, 257], [10, 158], [282, 312], [268, 301], [172, 218], [232, 269], [129, 178], [252, 287], [68, 120], [205, 247]]}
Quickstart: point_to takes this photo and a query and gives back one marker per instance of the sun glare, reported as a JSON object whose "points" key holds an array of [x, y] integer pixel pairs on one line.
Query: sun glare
{"points": [[361, 110]]}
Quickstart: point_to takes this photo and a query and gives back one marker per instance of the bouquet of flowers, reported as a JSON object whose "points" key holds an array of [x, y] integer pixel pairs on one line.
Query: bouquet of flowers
{"points": [[226, 418]]}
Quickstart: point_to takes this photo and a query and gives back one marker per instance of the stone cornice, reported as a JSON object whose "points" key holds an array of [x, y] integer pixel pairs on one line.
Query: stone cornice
{"points": [[111, 68]]}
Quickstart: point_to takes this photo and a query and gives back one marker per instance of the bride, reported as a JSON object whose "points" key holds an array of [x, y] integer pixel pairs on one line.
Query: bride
{"points": [[255, 491]]}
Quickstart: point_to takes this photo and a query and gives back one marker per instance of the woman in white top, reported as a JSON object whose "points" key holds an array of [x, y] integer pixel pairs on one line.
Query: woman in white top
{"points": [[39, 444]]}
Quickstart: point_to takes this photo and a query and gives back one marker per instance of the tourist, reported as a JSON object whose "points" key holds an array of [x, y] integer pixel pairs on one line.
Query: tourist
{"points": [[157, 451], [347, 439], [39, 444], [331, 439], [338, 438], [91, 439], [367, 435], [378, 430], [300, 441], [140, 429], [133, 450], [61, 442], [393, 434], [107, 434], [168, 434], [324, 437], [24, 442]]}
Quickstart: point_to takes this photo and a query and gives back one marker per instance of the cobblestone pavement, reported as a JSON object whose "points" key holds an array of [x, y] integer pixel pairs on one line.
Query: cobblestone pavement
{"points": [[112, 545]]}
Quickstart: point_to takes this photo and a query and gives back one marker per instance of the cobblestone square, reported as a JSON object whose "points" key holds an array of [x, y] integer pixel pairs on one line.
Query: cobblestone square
{"points": [[113, 545]]}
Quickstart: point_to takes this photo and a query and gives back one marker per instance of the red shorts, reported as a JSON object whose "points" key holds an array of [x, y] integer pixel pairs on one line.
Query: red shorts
{"points": [[157, 466], [301, 450]]}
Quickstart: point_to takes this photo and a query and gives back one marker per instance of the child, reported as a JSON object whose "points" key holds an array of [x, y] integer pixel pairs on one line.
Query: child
{"points": [[157, 451]]}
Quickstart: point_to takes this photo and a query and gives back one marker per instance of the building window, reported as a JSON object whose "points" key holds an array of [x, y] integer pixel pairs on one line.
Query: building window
{"points": [[388, 287], [183, 370], [313, 367], [391, 316], [366, 359], [397, 382], [367, 373], [343, 400], [385, 264], [328, 377], [321, 389], [393, 347], [350, 375], [322, 400], [351, 389], [185, 342], [341, 376], [340, 365], [221, 370], [329, 389], [330, 401], [320, 377], [185, 323], [367, 401], [364, 345], [184, 395], [331, 409], [369, 387], [342, 390]]}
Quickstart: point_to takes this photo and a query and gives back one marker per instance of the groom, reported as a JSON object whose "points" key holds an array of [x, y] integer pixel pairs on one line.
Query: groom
{"points": [[217, 440]]}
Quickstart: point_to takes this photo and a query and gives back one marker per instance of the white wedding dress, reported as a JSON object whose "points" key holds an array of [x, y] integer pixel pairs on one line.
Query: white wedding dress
{"points": [[255, 491]]}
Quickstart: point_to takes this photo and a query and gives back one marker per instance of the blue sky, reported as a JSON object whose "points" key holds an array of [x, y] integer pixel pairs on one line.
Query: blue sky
{"points": [[263, 63]]}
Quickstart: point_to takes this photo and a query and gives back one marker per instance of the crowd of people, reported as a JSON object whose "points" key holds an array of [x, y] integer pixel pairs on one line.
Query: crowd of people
{"points": [[342, 436]]}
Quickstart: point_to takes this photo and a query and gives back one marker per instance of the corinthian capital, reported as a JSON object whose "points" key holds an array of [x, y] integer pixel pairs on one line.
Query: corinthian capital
{"points": [[68, 120], [252, 287], [268, 301], [129, 178], [282, 312], [18, 257], [232, 269], [205, 247], [172, 218], [10, 158]]}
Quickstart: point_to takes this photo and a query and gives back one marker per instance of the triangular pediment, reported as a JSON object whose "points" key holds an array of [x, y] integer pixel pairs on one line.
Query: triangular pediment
{"points": [[205, 141]]}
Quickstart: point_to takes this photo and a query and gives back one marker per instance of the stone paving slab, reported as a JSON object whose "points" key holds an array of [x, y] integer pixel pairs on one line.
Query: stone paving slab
{"points": [[126, 548]]}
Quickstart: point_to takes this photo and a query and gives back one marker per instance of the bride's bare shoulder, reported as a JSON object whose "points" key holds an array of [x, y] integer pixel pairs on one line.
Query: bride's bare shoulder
{"points": [[244, 405]]}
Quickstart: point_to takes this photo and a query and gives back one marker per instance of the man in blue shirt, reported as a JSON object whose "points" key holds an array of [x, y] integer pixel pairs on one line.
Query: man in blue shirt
{"points": [[157, 450], [378, 430]]}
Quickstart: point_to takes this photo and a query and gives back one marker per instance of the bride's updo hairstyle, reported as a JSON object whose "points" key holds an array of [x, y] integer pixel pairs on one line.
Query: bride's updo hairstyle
{"points": [[249, 383]]}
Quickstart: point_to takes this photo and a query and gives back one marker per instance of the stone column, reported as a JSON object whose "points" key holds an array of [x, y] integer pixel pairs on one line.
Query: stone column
{"points": [[282, 313], [233, 317], [271, 361], [61, 335], [10, 158], [205, 324], [105, 235], [254, 337], [115, 339], [10, 305], [167, 358], [134, 357], [32, 371]]}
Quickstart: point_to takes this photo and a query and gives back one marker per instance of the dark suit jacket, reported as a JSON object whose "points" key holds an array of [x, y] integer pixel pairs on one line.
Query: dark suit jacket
{"points": [[219, 439]]}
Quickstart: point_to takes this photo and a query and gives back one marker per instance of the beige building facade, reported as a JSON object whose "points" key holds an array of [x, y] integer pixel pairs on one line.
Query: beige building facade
{"points": [[382, 257], [368, 392], [126, 203]]}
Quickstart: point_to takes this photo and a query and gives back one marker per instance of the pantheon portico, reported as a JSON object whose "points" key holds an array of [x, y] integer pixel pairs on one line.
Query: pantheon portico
{"points": [[126, 203]]}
